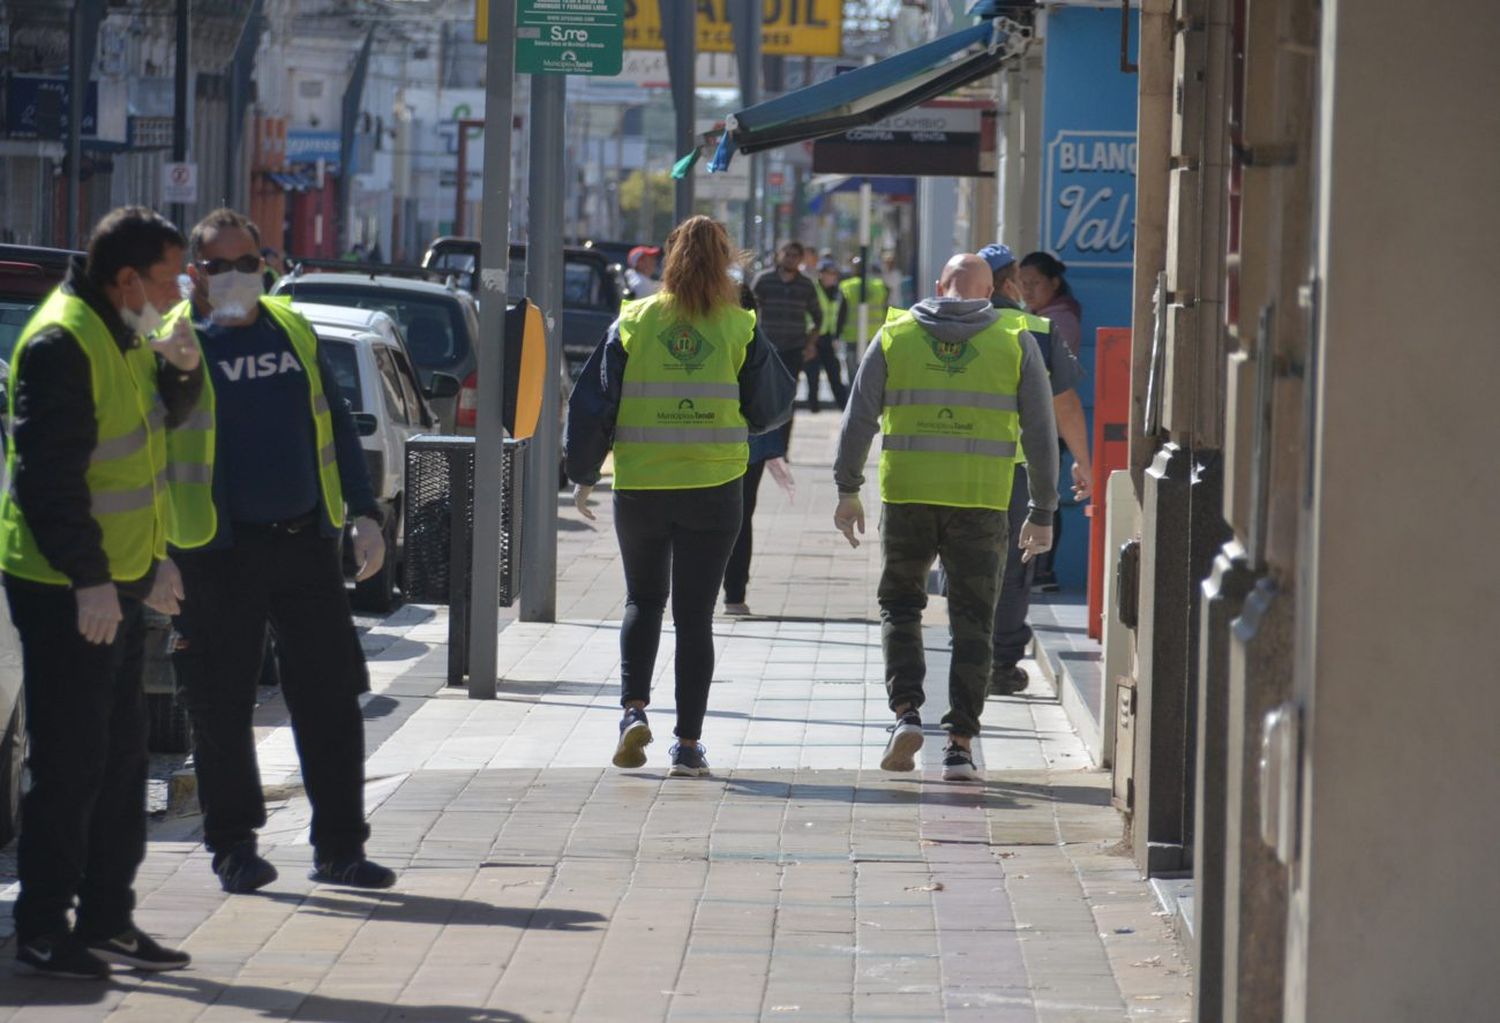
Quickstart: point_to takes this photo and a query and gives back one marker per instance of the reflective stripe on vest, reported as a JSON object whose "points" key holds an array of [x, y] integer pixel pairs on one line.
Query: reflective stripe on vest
{"points": [[679, 424], [193, 519], [876, 297], [950, 421], [125, 475]]}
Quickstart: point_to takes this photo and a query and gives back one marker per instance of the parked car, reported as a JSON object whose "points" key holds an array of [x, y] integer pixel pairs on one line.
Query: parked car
{"points": [[438, 321], [385, 394], [592, 289]]}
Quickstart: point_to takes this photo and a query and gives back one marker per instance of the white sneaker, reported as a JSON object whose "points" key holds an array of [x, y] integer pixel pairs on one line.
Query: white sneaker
{"points": [[958, 764], [906, 739]]}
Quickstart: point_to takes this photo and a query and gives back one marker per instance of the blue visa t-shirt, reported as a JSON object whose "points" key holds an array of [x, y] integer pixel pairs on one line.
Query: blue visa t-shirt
{"points": [[266, 451]]}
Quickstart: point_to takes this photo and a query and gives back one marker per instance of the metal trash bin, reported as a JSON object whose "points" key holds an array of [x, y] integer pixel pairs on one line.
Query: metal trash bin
{"points": [[439, 522]]}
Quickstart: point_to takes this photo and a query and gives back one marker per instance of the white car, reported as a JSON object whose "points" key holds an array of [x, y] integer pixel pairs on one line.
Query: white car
{"points": [[383, 391]]}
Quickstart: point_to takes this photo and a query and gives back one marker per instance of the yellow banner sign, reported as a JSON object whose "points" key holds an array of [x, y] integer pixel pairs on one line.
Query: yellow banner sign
{"points": [[802, 28]]}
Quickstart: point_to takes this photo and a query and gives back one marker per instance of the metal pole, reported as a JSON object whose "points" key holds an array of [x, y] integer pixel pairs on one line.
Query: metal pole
{"points": [[746, 26], [494, 273], [680, 35], [866, 198], [544, 270], [181, 73], [78, 81]]}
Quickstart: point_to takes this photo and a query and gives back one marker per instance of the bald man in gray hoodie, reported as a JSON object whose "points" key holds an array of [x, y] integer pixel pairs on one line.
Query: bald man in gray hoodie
{"points": [[952, 391]]}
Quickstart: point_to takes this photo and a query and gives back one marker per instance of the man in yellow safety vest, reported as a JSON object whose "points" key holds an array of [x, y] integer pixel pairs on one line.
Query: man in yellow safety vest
{"points": [[953, 389]]}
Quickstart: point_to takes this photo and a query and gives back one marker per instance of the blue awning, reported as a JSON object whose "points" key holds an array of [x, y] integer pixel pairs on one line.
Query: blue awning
{"points": [[297, 181], [848, 183], [870, 93]]}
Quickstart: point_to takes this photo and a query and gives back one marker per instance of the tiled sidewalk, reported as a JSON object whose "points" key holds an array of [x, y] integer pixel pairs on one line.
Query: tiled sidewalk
{"points": [[798, 883]]}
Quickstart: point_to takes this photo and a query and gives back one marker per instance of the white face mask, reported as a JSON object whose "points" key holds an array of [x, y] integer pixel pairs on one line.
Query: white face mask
{"points": [[147, 321], [233, 294]]}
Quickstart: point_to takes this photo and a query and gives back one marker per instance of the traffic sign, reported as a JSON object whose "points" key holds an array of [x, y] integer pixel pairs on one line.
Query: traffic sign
{"points": [[570, 37], [179, 182], [803, 28]]}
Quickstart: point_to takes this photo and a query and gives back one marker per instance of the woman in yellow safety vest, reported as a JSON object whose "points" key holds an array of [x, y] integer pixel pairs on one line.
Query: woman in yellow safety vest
{"points": [[675, 388]]}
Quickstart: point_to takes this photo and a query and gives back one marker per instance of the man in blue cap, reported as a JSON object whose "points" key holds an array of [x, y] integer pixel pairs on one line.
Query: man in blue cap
{"points": [[1012, 633]]}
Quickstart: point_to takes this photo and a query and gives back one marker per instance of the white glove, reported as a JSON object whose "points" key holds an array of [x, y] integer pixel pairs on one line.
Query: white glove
{"points": [[369, 547], [166, 589], [581, 492], [178, 347], [99, 613], [849, 518], [1083, 486], [782, 474], [1035, 540]]}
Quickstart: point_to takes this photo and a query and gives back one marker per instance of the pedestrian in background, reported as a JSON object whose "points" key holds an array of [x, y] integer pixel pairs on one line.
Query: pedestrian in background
{"points": [[642, 263], [675, 387], [1047, 293], [953, 389], [260, 478], [873, 292], [829, 299], [790, 314], [83, 546]]}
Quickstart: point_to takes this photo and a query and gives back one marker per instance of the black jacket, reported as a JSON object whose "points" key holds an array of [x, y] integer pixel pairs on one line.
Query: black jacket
{"points": [[766, 393], [54, 433]]}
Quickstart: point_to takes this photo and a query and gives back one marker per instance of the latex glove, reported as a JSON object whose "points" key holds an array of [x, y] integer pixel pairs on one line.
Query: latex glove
{"points": [[369, 547], [166, 589], [581, 492], [178, 346], [782, 474], [1035, 540], [99, 614], [849, 518], [1083, 484]]}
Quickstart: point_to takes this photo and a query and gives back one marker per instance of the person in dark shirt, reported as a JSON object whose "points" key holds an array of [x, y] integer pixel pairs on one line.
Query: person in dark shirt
{"points": [[790, 315], [82, 543], [261, 542]]}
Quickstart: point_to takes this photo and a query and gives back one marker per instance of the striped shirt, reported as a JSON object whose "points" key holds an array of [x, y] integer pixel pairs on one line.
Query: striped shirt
{"points": [[783, 308]]}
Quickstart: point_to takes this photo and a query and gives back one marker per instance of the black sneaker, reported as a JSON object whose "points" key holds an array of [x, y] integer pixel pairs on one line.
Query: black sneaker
{"points": [[61, 956], [1008, 681], [689, 760], [353, 873], [906, 739], [958, 764], [635, 736], [138, 951], [243, 870]]}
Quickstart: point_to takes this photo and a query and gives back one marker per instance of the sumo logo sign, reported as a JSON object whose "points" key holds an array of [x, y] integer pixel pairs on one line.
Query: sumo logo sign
{"points": [[1089, 206]]}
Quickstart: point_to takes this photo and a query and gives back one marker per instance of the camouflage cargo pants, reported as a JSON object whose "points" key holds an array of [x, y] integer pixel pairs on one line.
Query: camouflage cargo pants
{"points": [[971, 542]]}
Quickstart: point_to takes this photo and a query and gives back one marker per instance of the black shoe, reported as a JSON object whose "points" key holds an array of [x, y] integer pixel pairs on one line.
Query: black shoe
{"points": [[689, 760], [1045, 584], [60, 956], [635, 736], [958, 764], [138, 951], [1008, 681], [243, 870], [353, 873], [906, 739]]}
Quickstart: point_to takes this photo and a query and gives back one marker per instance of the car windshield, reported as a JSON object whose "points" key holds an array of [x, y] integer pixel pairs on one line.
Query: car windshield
{"points": [[584, 285], [434, 326], [345, 363], [13, 317]]}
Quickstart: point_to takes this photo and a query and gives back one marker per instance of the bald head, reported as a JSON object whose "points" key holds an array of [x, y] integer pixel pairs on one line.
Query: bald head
{"points": [[966, 276]]}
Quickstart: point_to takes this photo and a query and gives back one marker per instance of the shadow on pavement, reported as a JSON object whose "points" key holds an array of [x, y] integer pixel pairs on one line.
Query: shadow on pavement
{"points": [[282, 1003], [398, 907]]}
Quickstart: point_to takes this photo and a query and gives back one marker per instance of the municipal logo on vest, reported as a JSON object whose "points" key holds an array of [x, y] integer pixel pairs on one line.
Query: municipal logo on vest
{"points": [[688, 348], [952, 356]]}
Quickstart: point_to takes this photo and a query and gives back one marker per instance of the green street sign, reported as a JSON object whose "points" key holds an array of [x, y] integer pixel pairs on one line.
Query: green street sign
{"points": [[570, 37]]}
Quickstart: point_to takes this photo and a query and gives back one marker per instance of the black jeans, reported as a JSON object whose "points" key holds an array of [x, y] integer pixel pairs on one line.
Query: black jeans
{"points": [[826, 362], [794, 362], [83, 823], [674, 542], [296, 582], [1012, 633], [737, 573]]}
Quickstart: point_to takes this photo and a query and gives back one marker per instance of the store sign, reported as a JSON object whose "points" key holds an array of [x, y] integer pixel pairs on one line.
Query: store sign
{"points": [[648, 69], [570, 37], [803, 28], [933, 140], [307, 147], [36, 107], [1089, 201]]}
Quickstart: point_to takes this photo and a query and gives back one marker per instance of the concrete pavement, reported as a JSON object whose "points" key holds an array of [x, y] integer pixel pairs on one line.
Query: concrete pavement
{"points": [[798, 883]]}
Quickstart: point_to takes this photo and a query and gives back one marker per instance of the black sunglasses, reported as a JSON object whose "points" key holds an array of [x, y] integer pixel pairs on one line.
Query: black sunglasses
{"points": [[214, 267]]}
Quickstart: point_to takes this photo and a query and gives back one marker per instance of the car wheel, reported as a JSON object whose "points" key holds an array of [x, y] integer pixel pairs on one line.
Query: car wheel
{"points": [[377, 594], [12, 771], [170, 729]]}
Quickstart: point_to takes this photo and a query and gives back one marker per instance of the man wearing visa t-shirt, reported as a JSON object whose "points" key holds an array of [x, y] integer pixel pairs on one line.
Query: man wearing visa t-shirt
{"points": [[261, 478]]}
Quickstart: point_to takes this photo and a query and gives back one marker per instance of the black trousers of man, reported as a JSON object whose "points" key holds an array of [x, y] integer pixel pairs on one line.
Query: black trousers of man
{"points": [[294, 579], [828, 363], [83, 822]]}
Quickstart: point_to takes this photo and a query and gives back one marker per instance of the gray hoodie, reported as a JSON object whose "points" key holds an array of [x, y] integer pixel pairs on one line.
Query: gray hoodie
{"points": [[955, 319]]}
